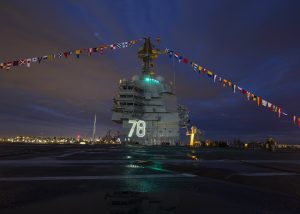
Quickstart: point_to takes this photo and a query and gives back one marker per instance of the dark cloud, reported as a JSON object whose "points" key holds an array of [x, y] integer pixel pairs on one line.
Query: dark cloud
{"points": [[252, 43]]}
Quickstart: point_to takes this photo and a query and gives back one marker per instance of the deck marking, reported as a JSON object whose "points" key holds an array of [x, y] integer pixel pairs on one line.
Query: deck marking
{"points": [[258, 174], [42, 161], [102, 177]]}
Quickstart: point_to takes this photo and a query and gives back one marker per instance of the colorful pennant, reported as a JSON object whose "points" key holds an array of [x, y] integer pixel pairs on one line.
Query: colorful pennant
{"points": [[250, 96], [50, 57], [66, 54]]}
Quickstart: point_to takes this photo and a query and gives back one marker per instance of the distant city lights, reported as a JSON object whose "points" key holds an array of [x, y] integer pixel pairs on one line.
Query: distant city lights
{"points": [[60, 140]]}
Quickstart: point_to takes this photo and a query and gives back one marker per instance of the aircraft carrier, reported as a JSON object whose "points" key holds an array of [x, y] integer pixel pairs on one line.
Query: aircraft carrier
{"points": [[146, 179], [120, 178], [146, 106]]}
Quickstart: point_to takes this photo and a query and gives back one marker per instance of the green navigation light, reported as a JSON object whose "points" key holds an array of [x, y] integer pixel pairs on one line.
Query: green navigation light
{"points": [[150, 80]]}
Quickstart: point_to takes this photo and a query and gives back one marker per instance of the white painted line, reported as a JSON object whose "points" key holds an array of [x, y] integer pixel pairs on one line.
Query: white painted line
{"points": [[102, 177], [122, 161], [258, 174], [69, 154], [271, 161]]}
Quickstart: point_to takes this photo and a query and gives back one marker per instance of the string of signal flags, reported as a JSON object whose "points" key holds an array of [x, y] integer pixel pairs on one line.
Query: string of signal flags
{"points": [[66, 54], [172, 54], [235, 88]]}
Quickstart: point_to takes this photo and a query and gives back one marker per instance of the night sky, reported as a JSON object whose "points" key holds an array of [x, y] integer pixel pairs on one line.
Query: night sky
{"points": [[255, 44]]}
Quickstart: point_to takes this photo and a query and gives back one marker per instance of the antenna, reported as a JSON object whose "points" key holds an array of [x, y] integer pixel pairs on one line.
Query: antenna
{"points": [[94, 129], [147, 53]]}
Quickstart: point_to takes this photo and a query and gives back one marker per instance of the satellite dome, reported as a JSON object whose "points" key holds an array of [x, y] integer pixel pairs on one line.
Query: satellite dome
{"points": [[160, 78]]}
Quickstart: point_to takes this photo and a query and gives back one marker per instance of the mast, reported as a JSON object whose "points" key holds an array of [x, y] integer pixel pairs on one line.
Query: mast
{"points": [[147, 53], [94, 129]]}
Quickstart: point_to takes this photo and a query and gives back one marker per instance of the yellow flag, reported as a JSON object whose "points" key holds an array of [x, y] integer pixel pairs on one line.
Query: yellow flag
{"points": [[50, 57]]}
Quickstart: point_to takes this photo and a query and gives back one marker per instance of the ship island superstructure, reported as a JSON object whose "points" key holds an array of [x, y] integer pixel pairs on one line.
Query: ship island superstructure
{"points": [[146, 105]]}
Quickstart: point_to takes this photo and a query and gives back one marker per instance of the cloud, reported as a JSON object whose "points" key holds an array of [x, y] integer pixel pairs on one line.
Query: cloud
{"points": [[253, 44]]}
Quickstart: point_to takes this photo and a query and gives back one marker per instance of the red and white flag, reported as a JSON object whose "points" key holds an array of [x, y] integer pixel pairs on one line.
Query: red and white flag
{"points": [[28, 61], [22, 61], [8, 65], [279, 112], [113, 47], [101, 50], [90, 50], [248, 95]]}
